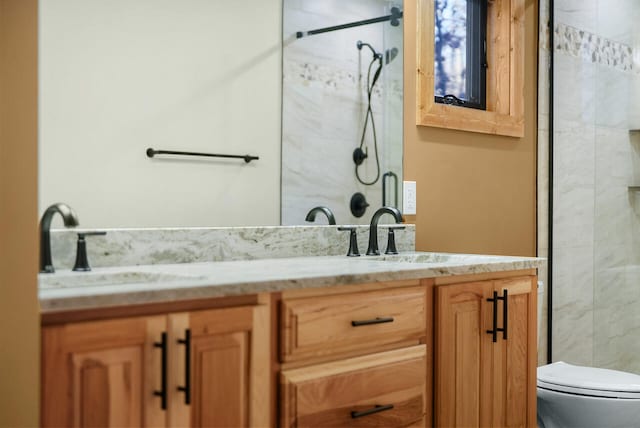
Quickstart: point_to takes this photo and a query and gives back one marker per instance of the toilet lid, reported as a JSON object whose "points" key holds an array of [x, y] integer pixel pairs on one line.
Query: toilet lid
{"points": [[590, 381]]}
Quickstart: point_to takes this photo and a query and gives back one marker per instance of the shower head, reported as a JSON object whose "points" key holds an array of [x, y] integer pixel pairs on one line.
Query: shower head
{"points": [[390, 55], [360, 44]]}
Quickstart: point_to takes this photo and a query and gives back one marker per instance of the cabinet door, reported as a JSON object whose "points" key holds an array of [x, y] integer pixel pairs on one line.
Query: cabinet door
{"points": [[102, 373], [219, 366], [463, 354], [514, 362]]}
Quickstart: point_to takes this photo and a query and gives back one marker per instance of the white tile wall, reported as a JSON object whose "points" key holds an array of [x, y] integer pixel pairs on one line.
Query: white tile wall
{"points": [[596, 219]]}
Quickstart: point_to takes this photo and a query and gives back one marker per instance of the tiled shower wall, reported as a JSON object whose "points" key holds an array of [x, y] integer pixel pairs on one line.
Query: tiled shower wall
{"points": [[596, 265], [324, 107]]}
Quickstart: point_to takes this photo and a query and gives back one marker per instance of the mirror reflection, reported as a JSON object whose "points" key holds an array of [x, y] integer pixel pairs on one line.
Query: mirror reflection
{"points": [[117, 78], [342, 108]]}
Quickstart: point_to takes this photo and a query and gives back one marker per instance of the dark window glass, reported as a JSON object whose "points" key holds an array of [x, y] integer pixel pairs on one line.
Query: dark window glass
{"points": [[460, 52]]}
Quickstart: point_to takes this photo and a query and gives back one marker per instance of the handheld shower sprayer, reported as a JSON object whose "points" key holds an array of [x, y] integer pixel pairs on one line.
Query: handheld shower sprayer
{"points": [[360, 154], [360, 44]]}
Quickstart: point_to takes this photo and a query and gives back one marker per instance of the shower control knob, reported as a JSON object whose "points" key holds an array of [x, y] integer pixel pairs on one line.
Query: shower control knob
{"points": [[358, 204]]}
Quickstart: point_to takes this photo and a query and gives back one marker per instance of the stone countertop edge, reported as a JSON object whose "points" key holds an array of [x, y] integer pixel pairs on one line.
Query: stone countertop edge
{"points": [[234, 278]]}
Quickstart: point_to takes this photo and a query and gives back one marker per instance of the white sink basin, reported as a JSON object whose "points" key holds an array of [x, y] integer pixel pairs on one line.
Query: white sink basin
{"points": [[79, 279]]}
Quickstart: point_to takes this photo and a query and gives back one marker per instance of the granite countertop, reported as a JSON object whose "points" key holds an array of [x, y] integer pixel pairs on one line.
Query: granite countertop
{"points": [[118, 286]]}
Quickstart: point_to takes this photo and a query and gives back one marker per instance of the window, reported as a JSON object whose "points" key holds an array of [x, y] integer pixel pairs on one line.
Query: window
{"points": [[504, 50], [460, 59]]}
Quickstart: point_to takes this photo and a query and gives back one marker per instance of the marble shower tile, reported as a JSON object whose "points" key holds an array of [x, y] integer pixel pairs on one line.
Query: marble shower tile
{"points": [[614, 157], [615, 20], [613, 208], [574, 100], [634, 198], [616, 319], [634, 94], [577, 13], [573, 217], [573, 305], [574, 188], [612, 97], [574, 155], [322, 173]]}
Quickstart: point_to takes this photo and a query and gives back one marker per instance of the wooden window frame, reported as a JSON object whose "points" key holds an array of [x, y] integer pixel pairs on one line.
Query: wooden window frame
{"points": [[505, 76]]}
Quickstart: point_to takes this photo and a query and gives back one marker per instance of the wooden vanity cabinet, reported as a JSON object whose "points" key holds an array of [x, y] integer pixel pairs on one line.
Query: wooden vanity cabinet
{"points": [[479, 382], [400, 354], [112, 374], [356, 359]]}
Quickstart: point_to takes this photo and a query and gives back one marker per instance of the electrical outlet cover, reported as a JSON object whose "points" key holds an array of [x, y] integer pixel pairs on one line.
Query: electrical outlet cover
{"points": [[409, 197]]}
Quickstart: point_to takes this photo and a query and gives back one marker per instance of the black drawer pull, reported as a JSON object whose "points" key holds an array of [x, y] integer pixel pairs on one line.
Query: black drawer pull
{"points": [[163, 375], [505, 315], [494, 330], [187, 366], [368, 412], [379, 320]]}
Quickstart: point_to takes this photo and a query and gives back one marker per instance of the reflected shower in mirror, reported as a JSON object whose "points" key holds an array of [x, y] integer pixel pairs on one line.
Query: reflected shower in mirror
{"points": [[342, 108]]}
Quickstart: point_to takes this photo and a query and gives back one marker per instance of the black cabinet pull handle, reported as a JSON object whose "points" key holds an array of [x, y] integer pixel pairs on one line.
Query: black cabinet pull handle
{"points": [[163, 375], [505, 315], [494, 330], [378, 320], [187, 366], [376, 409]]}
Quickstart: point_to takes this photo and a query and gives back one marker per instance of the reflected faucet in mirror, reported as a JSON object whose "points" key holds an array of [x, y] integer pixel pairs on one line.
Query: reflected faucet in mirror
{"points": [[311, 215], [70, 220]]}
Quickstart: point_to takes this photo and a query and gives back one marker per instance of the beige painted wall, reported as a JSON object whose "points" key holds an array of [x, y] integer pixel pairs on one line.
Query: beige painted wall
{"points": [[476, 193], [19, 319]]}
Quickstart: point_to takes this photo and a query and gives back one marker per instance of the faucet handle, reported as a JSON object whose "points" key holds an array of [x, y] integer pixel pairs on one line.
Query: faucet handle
{"points": [[353, 241], [82, 261], [391, 240]]}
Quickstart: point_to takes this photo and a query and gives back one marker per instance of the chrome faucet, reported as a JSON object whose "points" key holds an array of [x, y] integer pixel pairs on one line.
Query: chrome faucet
{"points": [[311, 215], [70, 220], [373, 228]]}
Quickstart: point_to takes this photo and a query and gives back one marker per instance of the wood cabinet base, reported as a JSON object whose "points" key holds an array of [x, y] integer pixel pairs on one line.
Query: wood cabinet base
{"points": [[383, 355]]}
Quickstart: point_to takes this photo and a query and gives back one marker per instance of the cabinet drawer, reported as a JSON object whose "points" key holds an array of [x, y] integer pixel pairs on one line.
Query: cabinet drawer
{"points": [[320, 326], [385, 389]]}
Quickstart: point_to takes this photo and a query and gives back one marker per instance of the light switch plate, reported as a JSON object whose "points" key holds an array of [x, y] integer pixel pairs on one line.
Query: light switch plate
{"points": [[409, 197]]}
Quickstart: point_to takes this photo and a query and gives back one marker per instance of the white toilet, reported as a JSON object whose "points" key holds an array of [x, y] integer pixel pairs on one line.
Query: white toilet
{"points": [[585, 397]]}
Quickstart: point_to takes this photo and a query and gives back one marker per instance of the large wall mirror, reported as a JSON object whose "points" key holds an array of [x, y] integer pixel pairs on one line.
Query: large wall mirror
{"points": [[119, 77]]}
